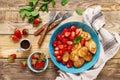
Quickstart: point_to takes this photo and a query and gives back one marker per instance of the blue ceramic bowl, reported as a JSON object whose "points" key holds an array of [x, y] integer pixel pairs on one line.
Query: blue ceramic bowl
{"points": [[87, 65], [30, 65]]}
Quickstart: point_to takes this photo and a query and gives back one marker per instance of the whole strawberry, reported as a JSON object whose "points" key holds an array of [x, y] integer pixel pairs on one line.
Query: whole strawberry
{"points": [[11, 57], [36, 21], [17, 32], [15, 38], [25, 31], [24, 63]]}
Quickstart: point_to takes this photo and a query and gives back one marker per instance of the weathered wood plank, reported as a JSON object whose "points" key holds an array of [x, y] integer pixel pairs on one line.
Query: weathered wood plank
{"points": [[12, 20], [72, 5], [7, 46], [13, 71]]}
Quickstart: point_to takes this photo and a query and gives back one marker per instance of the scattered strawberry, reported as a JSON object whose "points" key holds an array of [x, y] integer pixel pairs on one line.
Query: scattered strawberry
{"points": [[11, 57], [18, 33], [23, 63], [36, 21], [25, 31], [15, 38]]}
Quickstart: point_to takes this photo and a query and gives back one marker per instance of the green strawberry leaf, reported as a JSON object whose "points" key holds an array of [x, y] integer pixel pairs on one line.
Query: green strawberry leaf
{"points": [[35, 13], [28, 8], [79, 12], [33, 2], [53, 3], [77, 39], [64, 2], [31, 19], [22, 13]]}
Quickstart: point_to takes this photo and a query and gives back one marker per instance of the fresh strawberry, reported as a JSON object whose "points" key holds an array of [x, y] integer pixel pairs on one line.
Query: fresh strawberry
{"points": [[36, 21], [82, 42], [64, 30], [59, 42], [67, 34], [69, 48], [54, 43], [77, 31], [61, 46], [58, 36], [15, 38], [69, 64], [73, 28], [23, 63], [65, 45], [13, 55], [63, 62], [60, 52], [73, 34], [18, 33], [64, 40], [25, 31], [65, 49], [56, 48], [59, 58], [56, 53], [33, 56], [39, 64], [69, 42]]}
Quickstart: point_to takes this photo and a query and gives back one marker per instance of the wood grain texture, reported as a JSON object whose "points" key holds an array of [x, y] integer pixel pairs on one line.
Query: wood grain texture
{"points": [[13, 71]]}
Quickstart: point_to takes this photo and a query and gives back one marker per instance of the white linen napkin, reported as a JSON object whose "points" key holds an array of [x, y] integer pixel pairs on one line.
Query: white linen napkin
{"points": [[110, 43]]}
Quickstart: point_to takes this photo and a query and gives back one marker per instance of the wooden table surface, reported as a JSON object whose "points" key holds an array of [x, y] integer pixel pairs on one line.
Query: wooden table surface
{"points": [[10, 19]]}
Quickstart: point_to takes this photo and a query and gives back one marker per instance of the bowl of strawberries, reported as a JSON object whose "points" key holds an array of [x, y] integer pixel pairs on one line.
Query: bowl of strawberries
{"points": [[74, 47], [37, 62]]}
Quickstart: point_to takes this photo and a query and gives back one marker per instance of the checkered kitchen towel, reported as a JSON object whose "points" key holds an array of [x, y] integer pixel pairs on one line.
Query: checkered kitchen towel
{"points": [[110, 43]]}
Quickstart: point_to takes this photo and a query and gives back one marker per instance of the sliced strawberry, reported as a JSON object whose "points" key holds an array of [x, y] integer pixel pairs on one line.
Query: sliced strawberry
{"points": [[13, 55], [17, 32], [61, 46], [56, 48], [63, 62], [69, 64], [73, 28], [82, 42], [60, 52], [58, 36], [71, 38], [23, 63], [64, 49], [25, 31], [54, 43], [59, 42], [64, 40], [77, 31], [64, 30], [56, 53], [15, 38], [67, 34], [59, 58], [73, 34], [69, 48], [69, 42], [65, 45]]}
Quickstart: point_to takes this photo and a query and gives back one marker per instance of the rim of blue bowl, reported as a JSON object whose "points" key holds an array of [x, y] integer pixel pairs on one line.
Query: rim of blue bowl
{"points": [[30, 66], [90, 65]]}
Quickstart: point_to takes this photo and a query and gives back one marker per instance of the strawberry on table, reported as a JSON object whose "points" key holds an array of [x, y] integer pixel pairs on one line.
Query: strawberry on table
{"points": [[25, 31], [24, 63], [17, 32], [11, 57], [15, 38], [36, 21]]}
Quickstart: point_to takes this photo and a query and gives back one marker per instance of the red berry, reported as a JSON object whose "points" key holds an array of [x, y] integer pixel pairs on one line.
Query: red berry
{"points": [[59, 58], [56, 53], [25, 31], [64, 30], [69, 48], [73, 34], [77, 31], [69, 64], [82, 42], [56, 48], [61, 46], [67, 34], [64, 40], [54, 43], [15, 38], [23, 63], [60, 52], [36, 21], [58, 36], [69, 42], [73, 27], [18, 33], [59, 42], [13, 55], [33, 56], [63, 62]]}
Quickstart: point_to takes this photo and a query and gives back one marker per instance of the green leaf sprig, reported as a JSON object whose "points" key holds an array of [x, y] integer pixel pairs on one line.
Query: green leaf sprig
{"points": [[79, 11], [77, 39]]}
